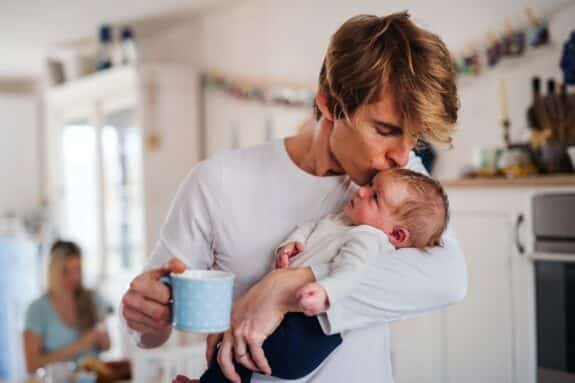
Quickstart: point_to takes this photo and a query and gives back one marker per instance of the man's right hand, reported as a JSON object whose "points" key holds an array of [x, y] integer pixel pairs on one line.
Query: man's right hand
{"points": [[146, 304]]}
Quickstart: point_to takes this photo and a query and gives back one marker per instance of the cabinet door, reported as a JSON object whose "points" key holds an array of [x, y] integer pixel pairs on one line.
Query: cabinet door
{"points": [[478, 332]]}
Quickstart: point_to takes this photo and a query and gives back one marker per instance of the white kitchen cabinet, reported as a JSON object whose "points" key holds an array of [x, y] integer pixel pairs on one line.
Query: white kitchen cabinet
{"points": [[478, 332], [490, 336]]}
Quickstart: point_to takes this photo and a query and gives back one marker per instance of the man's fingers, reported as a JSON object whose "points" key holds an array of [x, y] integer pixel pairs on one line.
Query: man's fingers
{"points": [[133, 315], [140, 327], [212, 346], [225, 359], [150, 288], [156, 274], [258, 356], [242, 356], [147, 307], [174, 265], [184, 379]]}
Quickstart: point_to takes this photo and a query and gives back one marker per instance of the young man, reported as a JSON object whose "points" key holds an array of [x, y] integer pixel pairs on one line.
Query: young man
{"points": [[384, 84]]}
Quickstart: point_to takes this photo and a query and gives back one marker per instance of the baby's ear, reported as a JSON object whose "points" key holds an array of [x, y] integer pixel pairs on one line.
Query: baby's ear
{"points": [[399, 237]]}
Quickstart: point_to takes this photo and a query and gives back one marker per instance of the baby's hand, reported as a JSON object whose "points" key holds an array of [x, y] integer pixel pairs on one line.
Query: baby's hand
{"points": [[312, 299], [286, 252]]}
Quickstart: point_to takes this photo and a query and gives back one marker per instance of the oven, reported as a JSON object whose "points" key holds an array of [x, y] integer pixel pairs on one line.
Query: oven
{"points": [[554, 265]]}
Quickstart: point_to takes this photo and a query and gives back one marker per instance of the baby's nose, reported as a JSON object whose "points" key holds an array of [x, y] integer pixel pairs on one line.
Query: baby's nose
{"points": [[363, 191]]}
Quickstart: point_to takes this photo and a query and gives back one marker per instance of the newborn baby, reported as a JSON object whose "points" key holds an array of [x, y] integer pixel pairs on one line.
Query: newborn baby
{"points": [[400, 208]]}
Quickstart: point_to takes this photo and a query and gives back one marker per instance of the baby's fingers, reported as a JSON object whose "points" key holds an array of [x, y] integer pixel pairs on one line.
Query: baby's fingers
{"points": [[299, 247], [282, 261]]}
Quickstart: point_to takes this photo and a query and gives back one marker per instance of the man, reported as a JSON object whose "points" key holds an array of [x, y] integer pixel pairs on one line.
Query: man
{"points": [[384, 84]]}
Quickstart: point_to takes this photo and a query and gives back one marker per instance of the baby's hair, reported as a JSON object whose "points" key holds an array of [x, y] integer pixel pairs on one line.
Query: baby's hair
{"points": [[425, 212]]}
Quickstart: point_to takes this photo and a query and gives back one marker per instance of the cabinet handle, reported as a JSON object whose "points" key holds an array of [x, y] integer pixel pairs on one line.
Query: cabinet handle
{"points": [[518, 222]]}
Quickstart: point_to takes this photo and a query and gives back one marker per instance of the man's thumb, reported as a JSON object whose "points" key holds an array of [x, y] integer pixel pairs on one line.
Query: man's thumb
{"points": [[174, 265]]}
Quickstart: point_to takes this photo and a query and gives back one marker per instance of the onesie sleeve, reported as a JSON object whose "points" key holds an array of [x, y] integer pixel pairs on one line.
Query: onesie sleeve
{"points": [[347, 268]]}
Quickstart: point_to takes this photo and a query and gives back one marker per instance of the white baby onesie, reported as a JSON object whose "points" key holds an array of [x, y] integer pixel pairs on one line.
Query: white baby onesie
{"points": [[338, 251]]}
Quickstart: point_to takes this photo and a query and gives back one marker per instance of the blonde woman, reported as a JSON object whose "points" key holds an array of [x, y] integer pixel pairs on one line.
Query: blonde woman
{"points": [[62, 324]]}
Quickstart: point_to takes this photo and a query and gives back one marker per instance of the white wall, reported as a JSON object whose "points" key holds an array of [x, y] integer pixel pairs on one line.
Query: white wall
{"points": [[480, 116], [286, 41], [19, 177]]}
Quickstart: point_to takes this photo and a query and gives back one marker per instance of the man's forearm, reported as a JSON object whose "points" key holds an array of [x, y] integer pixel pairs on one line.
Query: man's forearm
{"points": [[286, 282]]}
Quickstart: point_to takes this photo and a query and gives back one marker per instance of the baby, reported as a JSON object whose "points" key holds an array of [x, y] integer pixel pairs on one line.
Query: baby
{"points": [[400, 208]]}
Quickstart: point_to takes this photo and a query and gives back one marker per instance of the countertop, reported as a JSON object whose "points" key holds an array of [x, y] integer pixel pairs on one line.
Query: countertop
{"points": [[558, 180]]}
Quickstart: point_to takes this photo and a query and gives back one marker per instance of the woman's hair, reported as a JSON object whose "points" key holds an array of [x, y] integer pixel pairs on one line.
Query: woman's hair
{"points": [[61, 252], [369, 55]]}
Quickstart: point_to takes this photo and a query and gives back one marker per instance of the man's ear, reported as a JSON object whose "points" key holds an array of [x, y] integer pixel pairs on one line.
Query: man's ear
{"points": [[322, 103], [399, 236]]}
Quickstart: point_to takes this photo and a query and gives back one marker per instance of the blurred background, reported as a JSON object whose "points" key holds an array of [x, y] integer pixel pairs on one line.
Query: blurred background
{"points": [[105, 106]]}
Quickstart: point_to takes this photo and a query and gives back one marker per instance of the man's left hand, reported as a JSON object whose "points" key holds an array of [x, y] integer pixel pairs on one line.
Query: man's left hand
{"points": [[255, 316]]}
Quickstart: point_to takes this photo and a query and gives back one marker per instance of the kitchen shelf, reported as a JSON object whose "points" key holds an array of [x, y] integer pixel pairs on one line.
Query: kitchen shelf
{"points": [[536, 181]]}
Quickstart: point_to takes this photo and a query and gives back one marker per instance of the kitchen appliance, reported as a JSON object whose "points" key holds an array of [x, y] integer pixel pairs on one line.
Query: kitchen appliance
{"points": [[554, 261]]}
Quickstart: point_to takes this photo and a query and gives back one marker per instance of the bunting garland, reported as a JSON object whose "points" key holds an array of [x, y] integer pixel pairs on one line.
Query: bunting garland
{"points": [[296, 96], [513, 43]]}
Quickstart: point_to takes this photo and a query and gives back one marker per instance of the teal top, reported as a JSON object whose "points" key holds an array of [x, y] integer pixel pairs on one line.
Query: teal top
{"points": [[42, 319]]}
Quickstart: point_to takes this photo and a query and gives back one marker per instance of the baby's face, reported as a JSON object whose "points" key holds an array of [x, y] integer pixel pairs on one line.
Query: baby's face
{"points": [[375, 203]]}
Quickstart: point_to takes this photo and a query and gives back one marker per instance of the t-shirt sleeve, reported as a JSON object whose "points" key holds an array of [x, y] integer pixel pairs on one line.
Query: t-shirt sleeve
{"points": [[188, 231], [35, 318]]}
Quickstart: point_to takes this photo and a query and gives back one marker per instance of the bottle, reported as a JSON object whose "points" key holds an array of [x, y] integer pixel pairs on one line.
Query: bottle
{"points": [[129, 52], [105, 52], [551, 100], [532, 117]]}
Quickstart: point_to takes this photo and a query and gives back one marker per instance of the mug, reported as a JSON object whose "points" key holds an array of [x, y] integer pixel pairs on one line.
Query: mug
{"points": [[201, 300]]}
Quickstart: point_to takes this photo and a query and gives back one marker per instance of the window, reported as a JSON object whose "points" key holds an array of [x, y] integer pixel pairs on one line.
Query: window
{"points": [[102, 206], [102, 195]]}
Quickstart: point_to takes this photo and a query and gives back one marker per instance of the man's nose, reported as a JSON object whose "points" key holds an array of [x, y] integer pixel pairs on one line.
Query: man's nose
{"points": [[399, 156]]}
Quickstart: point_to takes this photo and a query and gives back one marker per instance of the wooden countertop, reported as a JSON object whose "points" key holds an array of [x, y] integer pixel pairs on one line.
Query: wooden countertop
{"points": [[558, 180]]}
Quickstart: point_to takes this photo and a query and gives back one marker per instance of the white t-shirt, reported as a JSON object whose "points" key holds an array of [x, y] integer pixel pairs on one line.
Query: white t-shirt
{"points": [[232, 211]]}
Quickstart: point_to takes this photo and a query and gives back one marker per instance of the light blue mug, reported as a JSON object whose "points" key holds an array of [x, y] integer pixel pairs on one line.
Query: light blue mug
{"points": [[201, 300]]}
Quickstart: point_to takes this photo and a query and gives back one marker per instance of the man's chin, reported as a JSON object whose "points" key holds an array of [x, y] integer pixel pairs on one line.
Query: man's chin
{"points": [[361, 179]]}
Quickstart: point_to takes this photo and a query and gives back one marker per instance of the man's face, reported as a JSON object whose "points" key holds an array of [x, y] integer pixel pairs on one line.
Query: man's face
{"points": [[372, 141]]}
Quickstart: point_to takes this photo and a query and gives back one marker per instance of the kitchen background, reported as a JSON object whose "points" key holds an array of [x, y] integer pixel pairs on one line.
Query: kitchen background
{"points": [[105, 106]]}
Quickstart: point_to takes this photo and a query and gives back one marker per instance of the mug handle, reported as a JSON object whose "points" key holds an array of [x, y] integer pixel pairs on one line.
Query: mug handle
{"points": [[167, 280]]}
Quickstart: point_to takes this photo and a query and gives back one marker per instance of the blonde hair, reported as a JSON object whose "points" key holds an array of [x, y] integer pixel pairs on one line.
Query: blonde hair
{"points": [[425, 211], [368, 55], [60, 253]]}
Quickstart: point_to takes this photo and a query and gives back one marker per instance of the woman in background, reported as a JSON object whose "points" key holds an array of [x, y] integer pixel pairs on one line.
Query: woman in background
{"points": [[62, 324]]}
